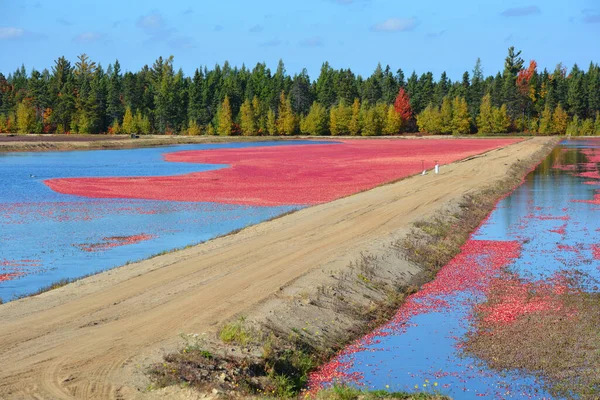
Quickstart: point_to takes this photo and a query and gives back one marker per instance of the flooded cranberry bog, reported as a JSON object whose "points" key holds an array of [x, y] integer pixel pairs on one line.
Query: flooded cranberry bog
{"points": [[64, 215], [502, 319]]}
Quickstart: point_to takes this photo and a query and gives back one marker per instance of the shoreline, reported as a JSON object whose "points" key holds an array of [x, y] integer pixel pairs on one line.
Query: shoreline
{"points": [[77, 339], [104, 142]]}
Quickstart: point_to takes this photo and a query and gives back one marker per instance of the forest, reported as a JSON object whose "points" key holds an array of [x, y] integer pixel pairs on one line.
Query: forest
{"points": [[86, 98]]}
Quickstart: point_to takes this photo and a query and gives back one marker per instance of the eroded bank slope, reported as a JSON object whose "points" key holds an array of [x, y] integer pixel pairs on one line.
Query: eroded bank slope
{"points": [[95, 338]]}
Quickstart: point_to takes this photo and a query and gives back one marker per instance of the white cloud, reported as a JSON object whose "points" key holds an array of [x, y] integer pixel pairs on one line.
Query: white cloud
{"points": [[87, 37], [396, 25], [11, 33]]}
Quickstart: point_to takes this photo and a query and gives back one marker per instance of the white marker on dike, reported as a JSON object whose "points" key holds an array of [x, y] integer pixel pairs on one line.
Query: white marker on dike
{"points": [[437, 168]]}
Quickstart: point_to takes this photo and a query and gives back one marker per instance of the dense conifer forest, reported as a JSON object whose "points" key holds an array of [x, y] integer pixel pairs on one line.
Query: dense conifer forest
{"points": [[84, 97]]}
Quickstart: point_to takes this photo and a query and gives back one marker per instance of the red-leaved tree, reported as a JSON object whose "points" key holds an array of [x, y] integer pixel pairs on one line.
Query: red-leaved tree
{"points": [[402, 106], [524, 77]]}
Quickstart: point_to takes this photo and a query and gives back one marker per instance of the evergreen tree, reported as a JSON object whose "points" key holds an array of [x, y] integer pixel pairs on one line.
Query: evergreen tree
{"points": [[346, 86], [576, 94], [114, 105], [389, 87], [593, 90], [196, 103], [412, 89], [372, 88], [300, 94], [441, 89], [476, 90], [324, 86]]}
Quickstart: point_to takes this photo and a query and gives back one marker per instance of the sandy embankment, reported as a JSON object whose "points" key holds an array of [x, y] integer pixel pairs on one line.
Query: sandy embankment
{"points": [[93, 338]]}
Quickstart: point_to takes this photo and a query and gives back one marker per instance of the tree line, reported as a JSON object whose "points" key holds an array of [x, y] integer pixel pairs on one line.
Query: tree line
{"points": [[86, 98]]}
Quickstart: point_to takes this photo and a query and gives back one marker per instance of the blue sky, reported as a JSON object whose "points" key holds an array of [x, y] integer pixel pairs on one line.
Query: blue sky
{"points": [[423, 35]]}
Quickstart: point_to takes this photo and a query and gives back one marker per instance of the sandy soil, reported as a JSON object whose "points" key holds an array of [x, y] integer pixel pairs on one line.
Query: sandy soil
{"points": [[94, 338]]}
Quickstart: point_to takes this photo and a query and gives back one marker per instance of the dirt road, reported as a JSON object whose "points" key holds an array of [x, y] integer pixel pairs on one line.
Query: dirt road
{"points": [[93, 338]]}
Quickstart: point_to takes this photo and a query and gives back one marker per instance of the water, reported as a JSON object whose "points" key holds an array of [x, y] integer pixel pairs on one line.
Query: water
{"points": [[553, 218], [47, 236]]}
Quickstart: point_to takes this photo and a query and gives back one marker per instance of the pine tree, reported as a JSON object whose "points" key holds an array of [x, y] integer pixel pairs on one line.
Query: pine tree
{"points": [[247, 119], [560, 120], [225, 119], [128, 125], [476, 90], [324, 86], [114, 106], [576, 93], [593, 89], [354, 125], [316, 122], [301, 94], [461, 120]]}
